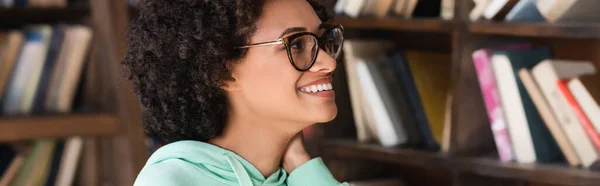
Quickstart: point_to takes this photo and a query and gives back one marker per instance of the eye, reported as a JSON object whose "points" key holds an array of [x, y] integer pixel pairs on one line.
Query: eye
{"points": [[297, 44]]}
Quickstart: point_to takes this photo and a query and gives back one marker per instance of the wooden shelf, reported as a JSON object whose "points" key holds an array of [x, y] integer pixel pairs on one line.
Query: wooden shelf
{"points": [[549, 173], [536, 29], [24, 128], [397, 24], [348, 148], [42, 15], [561, 174]]}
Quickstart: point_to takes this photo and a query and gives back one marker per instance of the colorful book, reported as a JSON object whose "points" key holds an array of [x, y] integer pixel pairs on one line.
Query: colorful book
{"points": [[487, 83], [547, 73], [498, 9], [56, 42], [386, 121], [531, 139], [551, 121], [25, 68], [583, 119], [10, 52], [564, 11], [525, 11], [403, 73], [431, 75], [403, 108], [35, 69], [586, 91]]}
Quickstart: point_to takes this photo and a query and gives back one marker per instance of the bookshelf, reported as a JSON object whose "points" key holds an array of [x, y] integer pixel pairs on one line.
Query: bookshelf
{"points": [[471, 139], [114, 150], [557, 173]]}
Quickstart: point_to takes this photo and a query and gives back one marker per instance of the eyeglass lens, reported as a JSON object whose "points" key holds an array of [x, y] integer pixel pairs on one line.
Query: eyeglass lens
{"points": [[304, 49]]}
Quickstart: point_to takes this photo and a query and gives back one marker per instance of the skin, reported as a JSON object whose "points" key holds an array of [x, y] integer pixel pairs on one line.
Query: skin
{"points": [[267, 111]]}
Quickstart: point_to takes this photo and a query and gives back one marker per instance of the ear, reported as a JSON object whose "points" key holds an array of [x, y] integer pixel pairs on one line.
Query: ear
{"points": [[231, 84]]}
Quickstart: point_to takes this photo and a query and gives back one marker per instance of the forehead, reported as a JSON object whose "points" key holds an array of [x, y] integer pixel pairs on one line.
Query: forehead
{"points": [[279, 15]]}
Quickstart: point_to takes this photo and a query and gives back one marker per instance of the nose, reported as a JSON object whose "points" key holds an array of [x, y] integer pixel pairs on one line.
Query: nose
{"points": [[324, 63]]}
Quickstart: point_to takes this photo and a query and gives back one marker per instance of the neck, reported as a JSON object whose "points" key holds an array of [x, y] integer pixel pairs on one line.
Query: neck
{"points": [[255, 141]]}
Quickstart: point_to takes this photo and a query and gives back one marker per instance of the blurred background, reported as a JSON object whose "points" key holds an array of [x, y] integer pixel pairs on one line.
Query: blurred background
{"points": [[429, 92]]}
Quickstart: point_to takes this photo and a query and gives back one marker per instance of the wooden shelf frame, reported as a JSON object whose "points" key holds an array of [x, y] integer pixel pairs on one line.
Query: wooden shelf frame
{"points": [[543, 172], [536, 29], [589, 31], [11, 16], [28, 128], [398, 24]]}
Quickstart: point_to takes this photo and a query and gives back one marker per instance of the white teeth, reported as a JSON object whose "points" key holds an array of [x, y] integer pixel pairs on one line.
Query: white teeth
{"points": [[317, 88]]}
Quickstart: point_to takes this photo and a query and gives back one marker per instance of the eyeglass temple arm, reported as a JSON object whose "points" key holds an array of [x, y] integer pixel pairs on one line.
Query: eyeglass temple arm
{"points": [[276, 42]]}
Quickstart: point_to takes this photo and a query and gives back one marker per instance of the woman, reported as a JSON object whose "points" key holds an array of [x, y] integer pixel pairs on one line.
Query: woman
{"points": [[231, 84]]}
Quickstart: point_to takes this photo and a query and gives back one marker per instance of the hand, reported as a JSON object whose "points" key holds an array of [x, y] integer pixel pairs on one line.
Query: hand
{"points": [[295, 154]]}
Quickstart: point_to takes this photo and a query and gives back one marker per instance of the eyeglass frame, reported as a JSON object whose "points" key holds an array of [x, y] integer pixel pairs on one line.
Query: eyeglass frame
{"points": [[286, 42]]}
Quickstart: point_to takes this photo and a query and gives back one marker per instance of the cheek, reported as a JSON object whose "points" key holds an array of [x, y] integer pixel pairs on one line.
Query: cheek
{"points": [[271, 81]]}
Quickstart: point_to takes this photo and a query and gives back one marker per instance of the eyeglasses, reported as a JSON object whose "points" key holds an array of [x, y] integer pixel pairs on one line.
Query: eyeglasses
{"points": [[303, 48]]}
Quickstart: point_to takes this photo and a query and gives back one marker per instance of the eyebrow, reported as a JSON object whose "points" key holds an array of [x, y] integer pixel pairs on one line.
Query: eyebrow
{"points": [[292, 30]]}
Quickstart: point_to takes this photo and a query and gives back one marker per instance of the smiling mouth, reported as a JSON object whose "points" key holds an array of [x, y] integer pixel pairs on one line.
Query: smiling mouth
{"points": [[316, 88]]}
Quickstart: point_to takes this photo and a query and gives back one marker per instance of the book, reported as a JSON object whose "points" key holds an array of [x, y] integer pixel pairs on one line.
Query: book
{"points": [[52, 57], [525, 11], [583, 119], [447, 133], [399, 8], [559, 11], [69, 162], [402, 107], [431, 75], [353, 51], [368, 8], [477, 12], [547, 73], [25, 69], [447, 9], [35, 69], [387, 126], [339, 7], [410, 7], [497, 9], [353, 8], [13, 168], [531, 139], [382, 8], [10, 50], [24, 173], [63, 84], [38, 174], [428, 8], [586, 91], [402, 72], [549, 118], [54, 163], [482, 60], [7, 154]]}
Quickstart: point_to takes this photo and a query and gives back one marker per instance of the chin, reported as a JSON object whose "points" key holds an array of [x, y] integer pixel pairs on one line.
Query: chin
{"points": [[326, 116]]}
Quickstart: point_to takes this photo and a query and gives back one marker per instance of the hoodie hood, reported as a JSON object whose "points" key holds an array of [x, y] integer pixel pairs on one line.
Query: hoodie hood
{"points": [[217, 163]]}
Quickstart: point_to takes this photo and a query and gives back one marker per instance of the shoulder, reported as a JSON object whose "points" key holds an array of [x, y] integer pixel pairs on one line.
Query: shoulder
{"points": [[167, 173]]}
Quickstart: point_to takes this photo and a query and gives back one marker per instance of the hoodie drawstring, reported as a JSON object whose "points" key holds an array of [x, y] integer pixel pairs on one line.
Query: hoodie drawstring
{"points": [[239, 171]]}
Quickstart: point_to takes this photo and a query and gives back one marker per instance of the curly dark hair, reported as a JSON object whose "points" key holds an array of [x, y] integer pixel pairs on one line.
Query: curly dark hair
{"points": [[177, 61]]}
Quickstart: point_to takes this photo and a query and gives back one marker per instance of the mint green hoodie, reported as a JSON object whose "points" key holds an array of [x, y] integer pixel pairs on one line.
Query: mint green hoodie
{"points": [[194, 163]]}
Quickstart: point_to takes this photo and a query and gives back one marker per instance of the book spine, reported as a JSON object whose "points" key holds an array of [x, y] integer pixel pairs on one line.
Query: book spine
{"points": [[489, 90], [585, 122]]}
